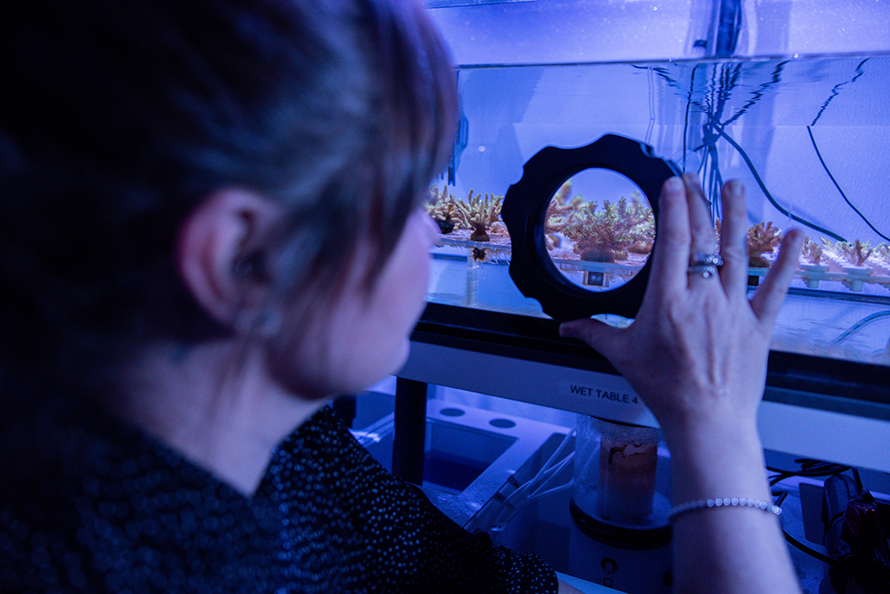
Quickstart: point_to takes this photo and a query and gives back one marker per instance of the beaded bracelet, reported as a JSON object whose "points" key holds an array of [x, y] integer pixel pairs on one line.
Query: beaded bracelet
{"points": [[692, 506]]}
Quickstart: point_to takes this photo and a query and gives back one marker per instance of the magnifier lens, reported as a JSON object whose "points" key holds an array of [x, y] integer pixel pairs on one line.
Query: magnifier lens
{"points": [[599, 229], [575, 259]]}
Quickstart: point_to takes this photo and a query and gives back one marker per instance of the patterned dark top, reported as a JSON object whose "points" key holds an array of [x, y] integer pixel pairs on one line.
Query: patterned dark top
{"points": [[123, 513]]}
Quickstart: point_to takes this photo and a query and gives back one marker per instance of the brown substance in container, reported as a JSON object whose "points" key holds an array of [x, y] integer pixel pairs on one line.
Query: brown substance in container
{"points": [[627, 479]]}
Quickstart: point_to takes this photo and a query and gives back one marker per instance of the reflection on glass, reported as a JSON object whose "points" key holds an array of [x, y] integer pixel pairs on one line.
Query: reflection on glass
{"points": [[599, 229]]}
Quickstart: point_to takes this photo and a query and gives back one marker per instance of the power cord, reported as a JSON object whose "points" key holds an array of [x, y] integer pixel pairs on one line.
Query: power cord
{"points": [[838, 186], [729, 78], [766, 191], [859, 326]]}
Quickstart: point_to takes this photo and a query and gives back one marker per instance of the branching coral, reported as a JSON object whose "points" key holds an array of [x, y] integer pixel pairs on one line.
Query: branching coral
{"points": [[478, 213], [812, 251], [442, 208], [856, 253], [562, 210], [882, 251], [609, 234], [763, 238]]}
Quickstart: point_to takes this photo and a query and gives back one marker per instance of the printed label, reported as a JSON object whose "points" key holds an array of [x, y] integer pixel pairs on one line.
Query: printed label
{"points": [[603, 394]]}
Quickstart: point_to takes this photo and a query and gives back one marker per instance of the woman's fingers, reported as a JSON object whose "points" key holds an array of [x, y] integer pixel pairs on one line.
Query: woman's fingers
{"points": [[607, 340], [703, 241], [771, 293], [671, 256], [733, 242], [700, 225]]}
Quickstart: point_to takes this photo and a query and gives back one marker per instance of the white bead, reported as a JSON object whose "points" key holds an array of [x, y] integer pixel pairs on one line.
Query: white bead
{"points": [[725, 502]]}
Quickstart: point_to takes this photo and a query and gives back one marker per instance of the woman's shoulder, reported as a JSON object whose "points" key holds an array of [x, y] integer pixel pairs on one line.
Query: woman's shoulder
{"points": [[115, 506], [323, 450]]}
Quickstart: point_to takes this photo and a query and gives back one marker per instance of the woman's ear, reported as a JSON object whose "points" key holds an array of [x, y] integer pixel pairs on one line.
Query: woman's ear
{"points": [[221, 251]]}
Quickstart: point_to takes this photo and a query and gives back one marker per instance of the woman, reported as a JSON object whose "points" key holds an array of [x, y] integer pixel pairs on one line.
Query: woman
{"points": [[210, 225]]}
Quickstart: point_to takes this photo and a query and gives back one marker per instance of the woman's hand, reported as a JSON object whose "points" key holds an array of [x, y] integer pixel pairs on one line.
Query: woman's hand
{"points": [[697, 349], [697, 353]]}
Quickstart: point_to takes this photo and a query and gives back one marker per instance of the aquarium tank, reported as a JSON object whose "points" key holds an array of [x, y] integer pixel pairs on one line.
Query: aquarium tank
{"points": [[788, 96]]}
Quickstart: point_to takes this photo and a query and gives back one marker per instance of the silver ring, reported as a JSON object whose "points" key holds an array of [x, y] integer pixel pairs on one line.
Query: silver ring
{"points": [[704, 265]]}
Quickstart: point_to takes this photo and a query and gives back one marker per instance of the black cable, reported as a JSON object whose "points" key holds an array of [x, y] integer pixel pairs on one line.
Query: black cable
{"points": [[802, 547], [766, 192], [867, 572], [728, 78], [709, 144], [811, 552], [859, 326], [837, 185], [723, 81], [809, 468], [686, 115], [773, 481], [811, 465]]}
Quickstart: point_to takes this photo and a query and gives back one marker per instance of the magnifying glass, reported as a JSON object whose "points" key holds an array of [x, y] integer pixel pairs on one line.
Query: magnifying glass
{"points": [[582, 226]]}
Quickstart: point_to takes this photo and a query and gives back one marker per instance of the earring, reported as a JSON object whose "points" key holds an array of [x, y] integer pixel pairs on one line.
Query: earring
{"points": [[251, 266]]}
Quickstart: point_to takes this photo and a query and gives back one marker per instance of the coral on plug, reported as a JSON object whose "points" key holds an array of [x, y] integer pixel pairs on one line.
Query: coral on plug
{"points": [[609, 234], [479, 212], [763, 238]]}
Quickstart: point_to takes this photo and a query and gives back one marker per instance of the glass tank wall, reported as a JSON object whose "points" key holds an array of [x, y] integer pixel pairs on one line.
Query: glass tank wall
{"points": [[809, 135]]}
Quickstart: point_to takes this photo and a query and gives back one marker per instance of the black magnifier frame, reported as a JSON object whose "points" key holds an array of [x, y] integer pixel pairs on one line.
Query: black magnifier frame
{"points": [[525, 207]]}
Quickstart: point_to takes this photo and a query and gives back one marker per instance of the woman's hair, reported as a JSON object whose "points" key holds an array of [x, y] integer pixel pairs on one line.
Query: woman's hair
{"points": [[118, 118]]}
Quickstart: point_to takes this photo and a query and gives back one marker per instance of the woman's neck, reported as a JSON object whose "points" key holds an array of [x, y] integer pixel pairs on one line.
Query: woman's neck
{"points": [[215, 404]]}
